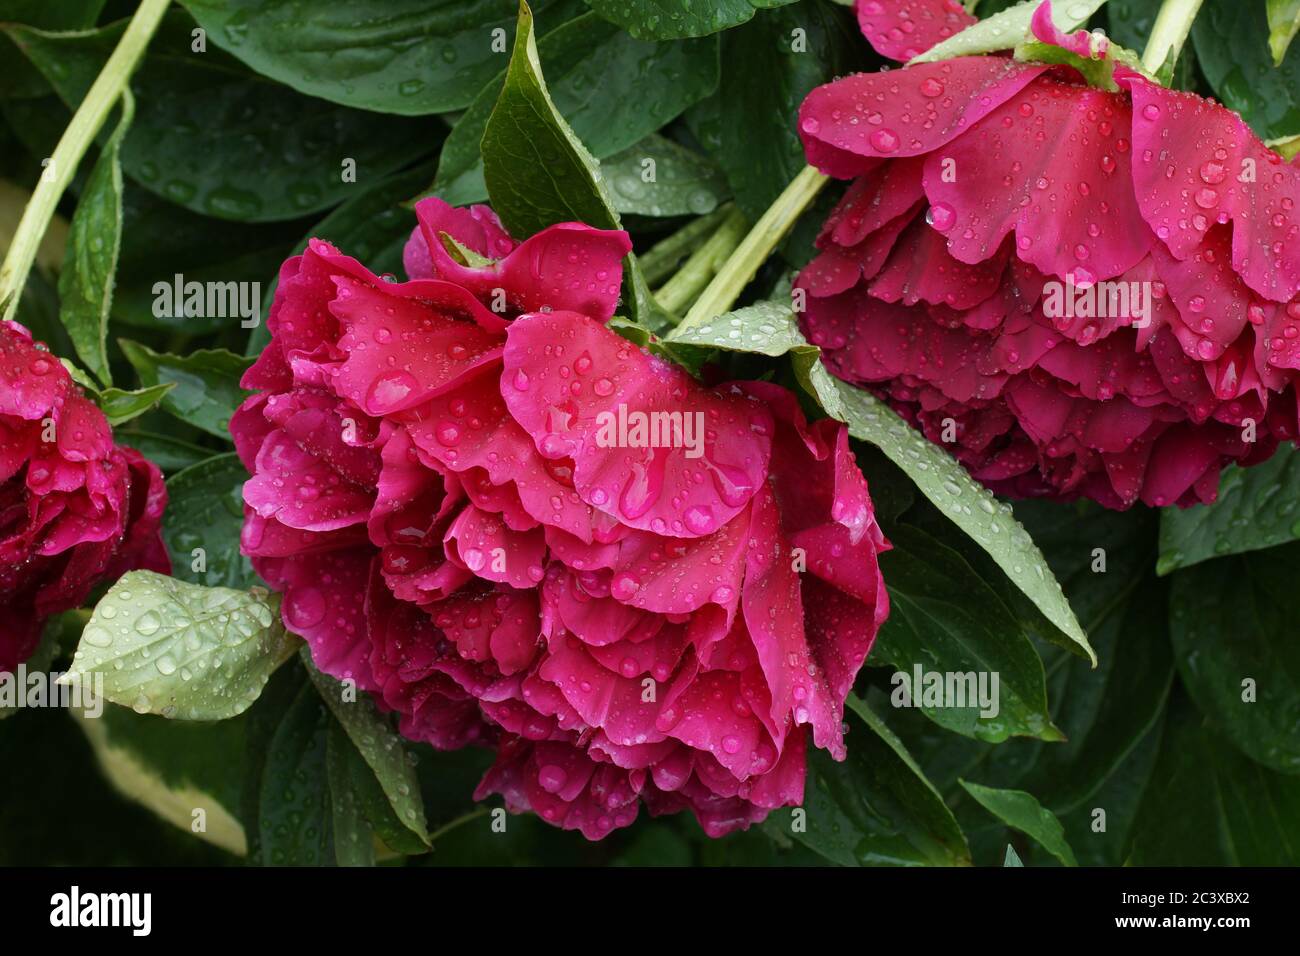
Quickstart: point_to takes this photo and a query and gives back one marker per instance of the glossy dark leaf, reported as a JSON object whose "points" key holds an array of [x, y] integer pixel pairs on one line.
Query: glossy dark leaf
{"points": [[400, 56], [613, 91], [206, 381], [219, 140], [1258, 507], [205, 511], [1234, 638]]}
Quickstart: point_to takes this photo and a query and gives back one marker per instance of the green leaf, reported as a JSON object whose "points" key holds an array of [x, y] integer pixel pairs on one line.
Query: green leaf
{"points": [[643, 308], [537, 172], [748, 125], [90, 259], [401, 56], [1283, 22], [1008, 28], [271, 153], [970, 506], [1111, 714], [120, 406], [1210, 806], [1256, 509], [526, 133], [656, 177], [1232, 45], [944, 619], [674, 19], [168, 453], [371, 802], [965, 502], [295, 822], [161, 240], [1011, 859], [205, 510], [875, 808], [354, 843], [20, 78], [612, 89], [1232, 623], [165, 646], [206, 383], [378, 743], [1020, 811]]}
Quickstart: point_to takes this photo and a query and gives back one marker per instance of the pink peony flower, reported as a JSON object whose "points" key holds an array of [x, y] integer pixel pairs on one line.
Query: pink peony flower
{"points": [[75, 509], [519, 530], [1079, 292]]}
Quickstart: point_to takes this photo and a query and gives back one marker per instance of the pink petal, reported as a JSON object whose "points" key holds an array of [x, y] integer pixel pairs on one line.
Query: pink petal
{"points": [[481, 542], [321, 605], [565, 266], [1053, 164], [903, 29], [699, 478], [1197, 164], [849, 125]]}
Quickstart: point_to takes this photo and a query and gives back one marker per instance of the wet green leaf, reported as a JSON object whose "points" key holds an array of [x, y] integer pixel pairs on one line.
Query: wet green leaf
{"points": [[612, 89], [205, 512], [1232, 45], [164, 646], [657, 177], [206, 381], [874, 809], [295, 822], [768, 66], [1234, 639], [1257, 508], [400, 56], [212, 137], [1020, 811], [945, 620], [377, 742], [674, 19], [90, 259]]}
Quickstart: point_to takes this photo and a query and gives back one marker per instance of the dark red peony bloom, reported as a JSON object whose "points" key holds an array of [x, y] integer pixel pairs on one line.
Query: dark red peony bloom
{"points": [[1079, 292], [75, 509], [517, 529]]}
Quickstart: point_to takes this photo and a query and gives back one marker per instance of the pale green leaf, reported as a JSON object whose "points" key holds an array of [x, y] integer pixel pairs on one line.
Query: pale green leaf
{"points": [[163, 646]]}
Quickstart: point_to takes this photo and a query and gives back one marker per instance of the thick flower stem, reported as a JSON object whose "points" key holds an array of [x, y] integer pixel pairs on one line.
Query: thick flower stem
{"points": [[76, 139], [683, 288], [1173, 24], [658, 263], [754, 249]]}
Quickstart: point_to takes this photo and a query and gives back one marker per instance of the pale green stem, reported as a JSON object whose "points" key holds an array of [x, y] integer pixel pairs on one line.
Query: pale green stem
{"points": [[76, 139], [683, 288], [754, 249], [1173, 24], [658, 263]]}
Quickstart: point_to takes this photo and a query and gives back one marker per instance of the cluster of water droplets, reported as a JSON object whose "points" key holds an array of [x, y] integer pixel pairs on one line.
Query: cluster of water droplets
{"points": [[150, 635]]}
